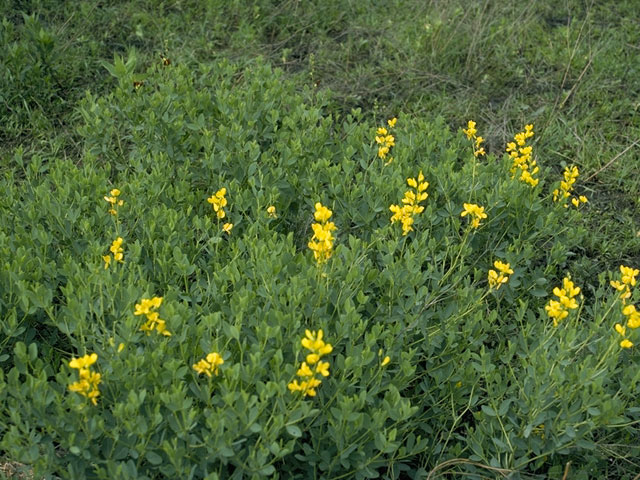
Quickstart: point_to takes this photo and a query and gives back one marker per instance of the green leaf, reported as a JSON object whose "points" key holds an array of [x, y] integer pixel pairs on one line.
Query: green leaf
{"points": [[488, 410], [294, 431]]}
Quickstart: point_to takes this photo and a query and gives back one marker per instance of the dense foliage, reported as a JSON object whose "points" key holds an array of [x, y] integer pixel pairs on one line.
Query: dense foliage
{"points": [[214, 269]]}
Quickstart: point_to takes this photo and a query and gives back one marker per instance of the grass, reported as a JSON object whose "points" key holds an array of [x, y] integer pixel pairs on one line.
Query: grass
{"points": [[572, 68]]}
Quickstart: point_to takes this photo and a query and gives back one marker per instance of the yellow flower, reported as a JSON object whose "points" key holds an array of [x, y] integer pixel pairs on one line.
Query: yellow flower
{"points": [[496, 280], [620, 329], [312, 341], [476, 212], [629, 275], [522, 157], [559, 309], [411, 201], [154, 322], [322, 213], [88, 382], [113, 201], [107, 261], [227, 228], [83, 362], [304, 371], [633, 316], [323, 368], [271, 210], [471, 129], [209, 365], [385, 361], [503, 267], [322, 241], [626, 343], [218, 201]]}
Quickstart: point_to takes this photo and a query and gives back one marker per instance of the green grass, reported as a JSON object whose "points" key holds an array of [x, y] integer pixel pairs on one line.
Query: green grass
{"points": [[572, 68]]}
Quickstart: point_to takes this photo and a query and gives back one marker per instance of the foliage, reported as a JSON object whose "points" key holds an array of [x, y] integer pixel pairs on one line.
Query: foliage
{"points": [[160, 167], [472, 371]]}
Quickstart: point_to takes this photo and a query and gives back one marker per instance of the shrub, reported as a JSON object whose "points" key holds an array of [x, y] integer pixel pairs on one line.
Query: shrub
{"points": [[429, 361]]}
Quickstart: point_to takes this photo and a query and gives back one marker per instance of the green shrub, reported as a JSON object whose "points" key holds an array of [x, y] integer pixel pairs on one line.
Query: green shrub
{"points": [[473, 372]]}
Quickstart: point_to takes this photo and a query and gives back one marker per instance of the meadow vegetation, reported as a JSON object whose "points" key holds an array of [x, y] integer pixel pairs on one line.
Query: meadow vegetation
{"points": [[319, 239]]}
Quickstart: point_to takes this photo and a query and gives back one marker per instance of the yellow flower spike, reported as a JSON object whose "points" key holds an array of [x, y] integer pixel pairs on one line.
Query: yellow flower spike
{"points": [[559, 309], [321, 242], [88, 382], [312, 341], [521, 155]]}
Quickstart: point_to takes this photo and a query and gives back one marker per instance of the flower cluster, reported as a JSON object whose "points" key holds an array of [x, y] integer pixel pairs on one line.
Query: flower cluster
{"points": [[501, 276], [312, 366], [147, 307], [113, 201], [386, 141], [322, 241], [470, 132], [476, 212], [88, 382], [218, 201], [405, 213], [522, 157], [627, 280], [117, 251], [559, 309], [209, 365], [566, 187]]}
